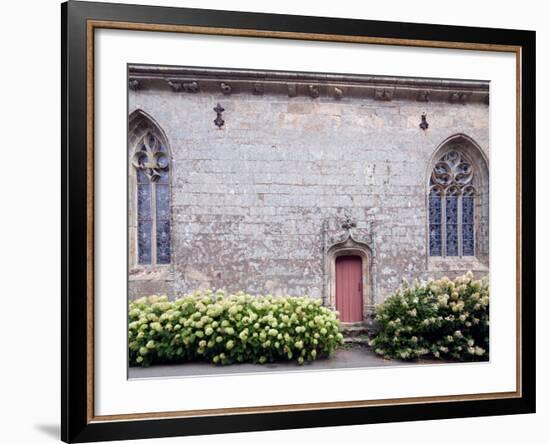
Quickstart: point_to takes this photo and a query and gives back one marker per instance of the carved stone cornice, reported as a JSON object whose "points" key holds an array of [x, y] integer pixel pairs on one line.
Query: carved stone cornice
{"points": [[305, 84]]}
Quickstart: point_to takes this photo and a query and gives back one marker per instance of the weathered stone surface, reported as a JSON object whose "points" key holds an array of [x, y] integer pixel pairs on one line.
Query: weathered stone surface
{"points": [[250, 199]]}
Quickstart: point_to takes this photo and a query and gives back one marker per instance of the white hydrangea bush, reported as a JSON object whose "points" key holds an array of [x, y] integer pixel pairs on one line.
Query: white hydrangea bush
{"points": [[226, 329], [444, 318]]}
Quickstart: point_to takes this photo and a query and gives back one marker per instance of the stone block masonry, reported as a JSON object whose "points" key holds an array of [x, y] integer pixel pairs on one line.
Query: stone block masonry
{"points": [[256, 201]]}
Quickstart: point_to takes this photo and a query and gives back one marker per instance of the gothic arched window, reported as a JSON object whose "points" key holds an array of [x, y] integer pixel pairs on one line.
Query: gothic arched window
{"points": [[451, 206], [151, 162]]}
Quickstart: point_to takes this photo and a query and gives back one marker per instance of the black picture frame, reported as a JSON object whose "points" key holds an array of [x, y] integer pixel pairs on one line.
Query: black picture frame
{"points": [[77, 425]]}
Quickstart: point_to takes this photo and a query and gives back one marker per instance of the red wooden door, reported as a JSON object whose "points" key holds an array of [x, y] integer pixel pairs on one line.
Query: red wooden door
{"points": [[349, 288]]}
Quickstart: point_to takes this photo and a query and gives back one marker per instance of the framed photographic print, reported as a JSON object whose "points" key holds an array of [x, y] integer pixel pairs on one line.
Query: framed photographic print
{"points": [[276, 221]]}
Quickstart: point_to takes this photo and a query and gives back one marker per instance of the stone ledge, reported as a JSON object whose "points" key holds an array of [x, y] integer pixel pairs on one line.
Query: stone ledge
{"points": [[458, 265], [151, 273]]}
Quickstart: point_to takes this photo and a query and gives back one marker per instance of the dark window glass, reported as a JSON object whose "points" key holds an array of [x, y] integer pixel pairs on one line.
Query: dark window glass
{"points": [[163, 242], [467, 226], [163, 223], [451, 224], [144, 223], [144, 241], [435, 223]]}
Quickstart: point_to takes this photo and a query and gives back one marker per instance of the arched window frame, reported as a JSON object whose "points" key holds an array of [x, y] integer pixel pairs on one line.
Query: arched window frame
{"points": [[472, 188], [150, 164]]}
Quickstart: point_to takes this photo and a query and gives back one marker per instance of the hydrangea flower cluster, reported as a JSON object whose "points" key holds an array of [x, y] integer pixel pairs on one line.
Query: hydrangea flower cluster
{"points": [[447, 319], [226, 329]]}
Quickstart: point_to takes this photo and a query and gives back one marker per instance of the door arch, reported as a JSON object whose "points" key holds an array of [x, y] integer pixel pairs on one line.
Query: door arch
{"points": [[349, 288]]}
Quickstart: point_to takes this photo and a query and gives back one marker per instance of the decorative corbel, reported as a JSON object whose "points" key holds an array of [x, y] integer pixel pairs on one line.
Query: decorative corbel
{"points": [[225, 88], [176, 86], [191, 87], [459, 97], [258, 89], [134, 84], [383, 94], [423, 96], [313, 91], [292, 90]]}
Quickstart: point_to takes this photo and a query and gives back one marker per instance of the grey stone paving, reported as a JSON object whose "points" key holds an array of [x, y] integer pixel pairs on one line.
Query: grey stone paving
{"points": [[355, 357]]}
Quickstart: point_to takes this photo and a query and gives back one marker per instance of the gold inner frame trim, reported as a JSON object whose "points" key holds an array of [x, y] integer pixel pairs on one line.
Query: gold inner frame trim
{"points": [[299, 407], [98, 24]]}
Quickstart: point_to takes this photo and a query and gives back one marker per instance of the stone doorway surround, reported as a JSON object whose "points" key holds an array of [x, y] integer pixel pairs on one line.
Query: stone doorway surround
{"points": [[349, 240]]}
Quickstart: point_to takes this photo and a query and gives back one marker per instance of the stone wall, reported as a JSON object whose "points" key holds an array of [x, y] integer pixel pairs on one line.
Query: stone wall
{"points": [[256, 202]]}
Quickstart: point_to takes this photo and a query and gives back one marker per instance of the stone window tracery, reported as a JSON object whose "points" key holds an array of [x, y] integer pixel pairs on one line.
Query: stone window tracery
{"points": [[151, 162], [451, 207]]}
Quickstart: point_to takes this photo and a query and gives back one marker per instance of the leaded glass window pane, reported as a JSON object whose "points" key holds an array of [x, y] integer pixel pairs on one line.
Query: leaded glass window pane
{"points": [[142, 176], [144, 241], [435, 223], [451, 224], [144, 201], [163, 223], [163, 176], [163, 242], [435, 240], [144, 223], [163, 201], [467, 226]]}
